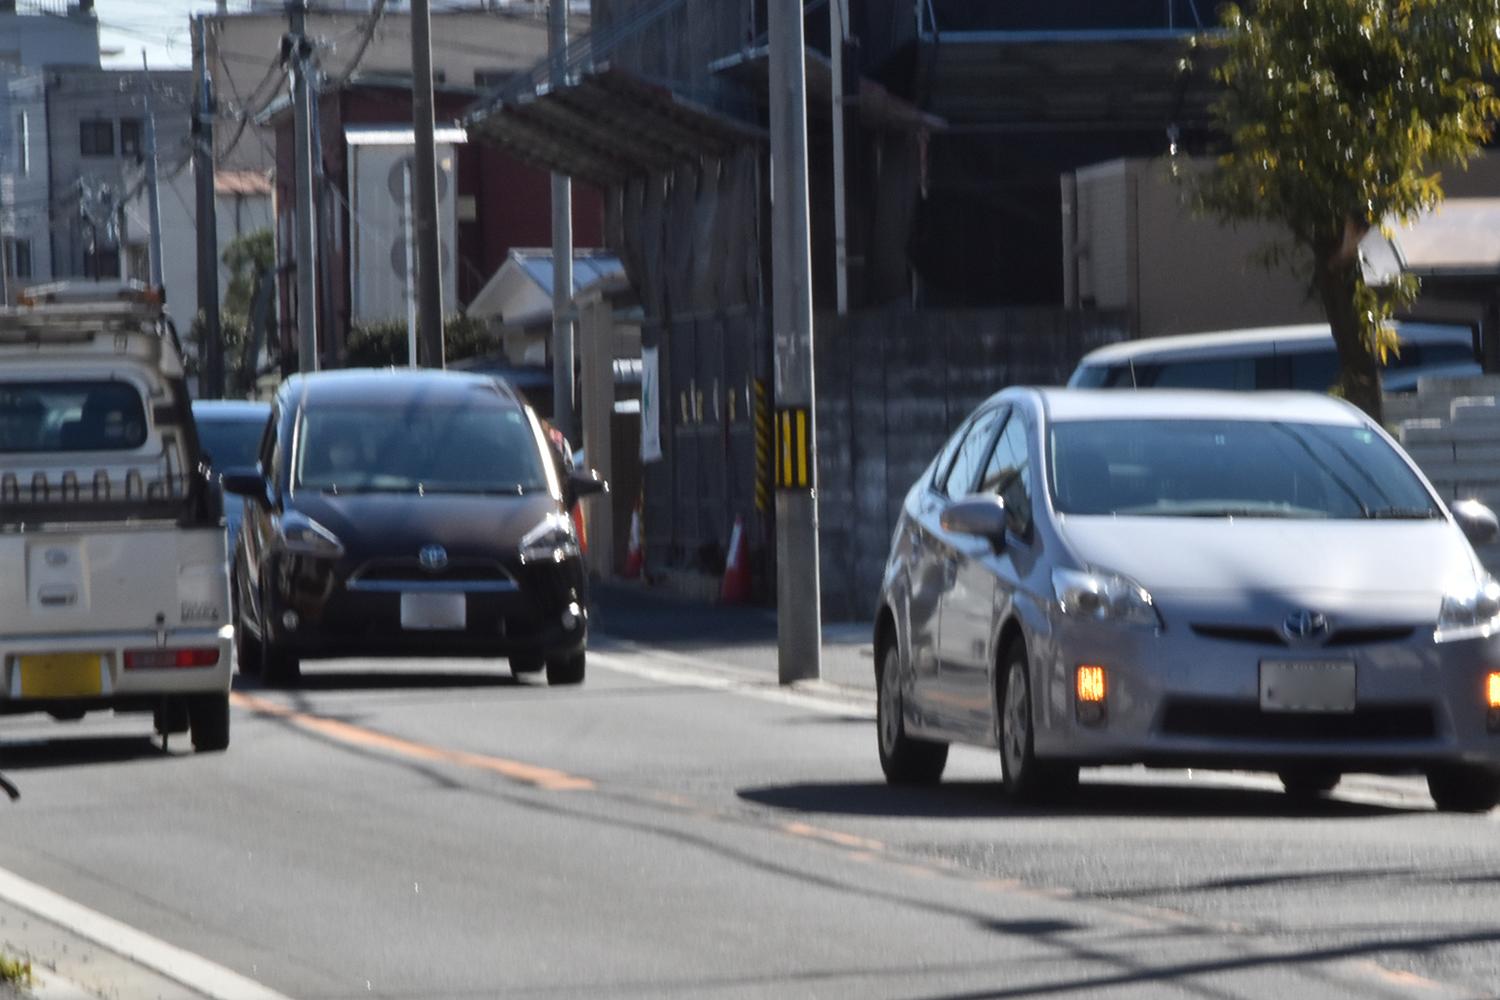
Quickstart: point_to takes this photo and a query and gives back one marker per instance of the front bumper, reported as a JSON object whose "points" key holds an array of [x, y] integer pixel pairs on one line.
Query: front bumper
{"points": [[1176, 698], [116, 686]]}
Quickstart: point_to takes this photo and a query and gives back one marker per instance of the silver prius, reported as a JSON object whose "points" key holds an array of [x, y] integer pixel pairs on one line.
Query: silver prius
{"points": [[1188, 579]]}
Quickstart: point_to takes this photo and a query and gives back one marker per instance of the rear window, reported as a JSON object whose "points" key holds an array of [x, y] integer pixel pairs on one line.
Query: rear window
{"points": [[231, 444], [99, 415]]}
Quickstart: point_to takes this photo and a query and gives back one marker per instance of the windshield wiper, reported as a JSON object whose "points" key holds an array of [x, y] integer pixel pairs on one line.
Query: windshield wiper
{"points": [[1403, 514]]}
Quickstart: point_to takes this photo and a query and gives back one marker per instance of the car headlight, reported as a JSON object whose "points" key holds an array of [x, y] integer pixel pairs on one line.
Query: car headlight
{"points": [[551, 541], [1470, 614], [1093, 595], [300, 535]]}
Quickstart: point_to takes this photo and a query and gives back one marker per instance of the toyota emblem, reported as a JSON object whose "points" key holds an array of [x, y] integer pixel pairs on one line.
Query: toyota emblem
{"points": [[1305, 626], [433, 558]]}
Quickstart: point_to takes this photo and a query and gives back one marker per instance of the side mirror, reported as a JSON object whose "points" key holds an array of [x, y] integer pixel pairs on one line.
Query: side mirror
{"points": [[1478, 522], [979, 516], [587, 484], [244, 482]]}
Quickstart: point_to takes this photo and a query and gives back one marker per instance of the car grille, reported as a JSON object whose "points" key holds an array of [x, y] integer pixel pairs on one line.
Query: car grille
{"points": [[1237, 720], [411, 571], [1339, 638]]}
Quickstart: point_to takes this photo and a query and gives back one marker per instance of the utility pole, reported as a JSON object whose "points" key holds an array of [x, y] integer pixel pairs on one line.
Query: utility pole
{"points": [[211, 349], [564, 406], [429, 259], [799, 620], [307, 217], [153, 200], [411, 267], [838, 33]]}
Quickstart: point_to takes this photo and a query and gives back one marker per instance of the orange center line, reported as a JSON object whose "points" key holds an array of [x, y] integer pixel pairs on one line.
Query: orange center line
{"points": [[545, 778]]}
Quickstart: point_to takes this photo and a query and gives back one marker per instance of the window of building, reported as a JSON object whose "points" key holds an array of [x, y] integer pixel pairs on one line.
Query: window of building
{"points": [[96, 137], [23, 144], [130, 137], [20, 264]]}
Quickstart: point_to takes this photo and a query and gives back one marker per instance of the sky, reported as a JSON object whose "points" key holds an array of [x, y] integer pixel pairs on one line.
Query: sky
{"points": [[158, 26]]}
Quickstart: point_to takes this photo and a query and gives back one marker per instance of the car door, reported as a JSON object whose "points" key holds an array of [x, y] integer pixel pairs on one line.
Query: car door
{"points": [[954, 551], [986, 581], [256, 526]]}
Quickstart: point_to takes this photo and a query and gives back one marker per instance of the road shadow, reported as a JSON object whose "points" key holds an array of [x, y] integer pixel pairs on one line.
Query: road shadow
{"points": [[81, 751], [388, 680], [986, 800]]}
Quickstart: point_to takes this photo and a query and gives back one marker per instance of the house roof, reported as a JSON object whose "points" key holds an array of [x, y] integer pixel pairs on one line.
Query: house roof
{"points": [[242, 182], [1459, 240], [520, 292]]}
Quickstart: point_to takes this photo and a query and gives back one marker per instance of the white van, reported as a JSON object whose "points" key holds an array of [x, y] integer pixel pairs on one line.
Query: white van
{"points": [[1283, 357]]}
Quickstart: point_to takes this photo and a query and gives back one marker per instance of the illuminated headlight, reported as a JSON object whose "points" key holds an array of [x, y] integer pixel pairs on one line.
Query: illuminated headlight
{"points": [[302, 536], [551, 541], [1472, 614], [1092, 595]]}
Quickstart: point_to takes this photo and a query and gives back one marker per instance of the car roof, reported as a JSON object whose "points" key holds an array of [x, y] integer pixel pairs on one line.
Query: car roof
{"points": [[230, 409], [1225, 341], [1064, 405], [395, 386]]}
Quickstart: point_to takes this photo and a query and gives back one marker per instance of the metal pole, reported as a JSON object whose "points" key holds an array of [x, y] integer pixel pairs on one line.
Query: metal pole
{"points": [[307, 219], [837, 34], [564, 406], [153, 201], [429, 259], [211, 385], [411, 268], [798, 618]]}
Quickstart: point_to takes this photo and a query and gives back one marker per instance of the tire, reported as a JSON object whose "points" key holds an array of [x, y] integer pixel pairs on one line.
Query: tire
{"points": [[565, 670], [1026, 778], [1307, 784], [1464, 788], [526, 663], [247, 651], [279, 668], [904, 759], [208, 718], [171, 717]]}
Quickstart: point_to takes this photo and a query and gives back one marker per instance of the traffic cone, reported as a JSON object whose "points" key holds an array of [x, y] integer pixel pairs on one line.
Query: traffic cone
{"points": [[736, 586], [635, 556], [581, 528]]}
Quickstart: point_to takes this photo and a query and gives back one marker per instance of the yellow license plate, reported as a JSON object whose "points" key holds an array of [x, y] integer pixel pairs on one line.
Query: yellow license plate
{"points": [[61, 675]]}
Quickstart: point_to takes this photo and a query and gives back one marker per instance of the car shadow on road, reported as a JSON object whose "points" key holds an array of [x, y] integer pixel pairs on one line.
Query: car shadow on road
{"points": [[79, 751], [385, 680], [986, 800]]}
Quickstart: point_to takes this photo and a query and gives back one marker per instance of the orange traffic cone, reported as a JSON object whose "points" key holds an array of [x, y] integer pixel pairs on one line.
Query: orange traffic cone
{"points": [[736, 586], [581, 528], [635, 556]]}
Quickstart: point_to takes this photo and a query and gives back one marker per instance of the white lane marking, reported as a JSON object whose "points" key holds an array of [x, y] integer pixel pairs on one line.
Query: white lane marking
{"points": [[174, 963]]}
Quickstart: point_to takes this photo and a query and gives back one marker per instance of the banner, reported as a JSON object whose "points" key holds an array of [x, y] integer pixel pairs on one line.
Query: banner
{"points": [[650, 406]]}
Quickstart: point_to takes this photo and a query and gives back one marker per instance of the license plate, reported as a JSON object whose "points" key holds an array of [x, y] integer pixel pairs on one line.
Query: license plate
{"points": [[61, 675], [434, 611], [1307, 686]]}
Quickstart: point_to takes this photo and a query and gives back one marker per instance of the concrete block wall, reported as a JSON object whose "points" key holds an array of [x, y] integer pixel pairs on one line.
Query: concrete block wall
{"points": [[1451, 429]]}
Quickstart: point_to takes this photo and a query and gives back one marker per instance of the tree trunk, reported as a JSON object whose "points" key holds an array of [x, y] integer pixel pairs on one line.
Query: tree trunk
{"points": [[1359, 372]]}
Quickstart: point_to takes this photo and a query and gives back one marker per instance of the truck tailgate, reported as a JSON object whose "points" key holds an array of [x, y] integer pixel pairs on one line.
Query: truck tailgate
{"points": [[112, 578]]}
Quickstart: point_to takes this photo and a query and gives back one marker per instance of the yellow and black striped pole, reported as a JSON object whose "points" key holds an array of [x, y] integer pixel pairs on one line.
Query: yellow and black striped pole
{"points": [[793, 449]]}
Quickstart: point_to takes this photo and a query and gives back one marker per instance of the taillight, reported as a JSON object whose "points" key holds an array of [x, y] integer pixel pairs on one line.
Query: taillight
{"points": [[170, 659]]}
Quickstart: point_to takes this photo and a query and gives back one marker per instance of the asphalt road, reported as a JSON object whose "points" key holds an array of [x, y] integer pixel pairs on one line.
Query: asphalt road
{"points": [[681, 827]]}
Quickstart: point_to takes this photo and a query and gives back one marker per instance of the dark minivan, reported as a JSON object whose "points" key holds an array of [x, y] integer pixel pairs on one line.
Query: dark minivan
{"points": [[408, 513]]}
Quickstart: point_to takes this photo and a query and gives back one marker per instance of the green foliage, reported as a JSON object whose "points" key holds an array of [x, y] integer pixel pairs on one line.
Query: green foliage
{"points": [[1339, 115], [380, 345], [15, 971]]}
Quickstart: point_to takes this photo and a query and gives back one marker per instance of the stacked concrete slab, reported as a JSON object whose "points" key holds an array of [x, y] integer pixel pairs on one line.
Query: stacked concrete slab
{"points": [[1451, 428]]}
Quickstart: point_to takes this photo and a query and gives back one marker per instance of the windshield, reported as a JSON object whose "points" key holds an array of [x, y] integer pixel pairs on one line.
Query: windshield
{"points": [[231, 444], [102, 415], [472, 447], [1231, 468]]}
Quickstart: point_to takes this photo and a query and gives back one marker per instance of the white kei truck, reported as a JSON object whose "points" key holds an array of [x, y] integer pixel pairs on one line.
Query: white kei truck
{"points": [[114, 591]]}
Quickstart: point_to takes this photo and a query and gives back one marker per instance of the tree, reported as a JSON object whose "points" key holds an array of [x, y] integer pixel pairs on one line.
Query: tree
{"points": [[1339, 115]]}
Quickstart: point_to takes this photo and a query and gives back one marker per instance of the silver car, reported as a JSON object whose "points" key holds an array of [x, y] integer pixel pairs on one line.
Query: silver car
{"points": [[1188, 579]]}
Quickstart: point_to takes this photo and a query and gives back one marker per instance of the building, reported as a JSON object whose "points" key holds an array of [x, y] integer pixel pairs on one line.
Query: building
{"points": [[48, 33]]}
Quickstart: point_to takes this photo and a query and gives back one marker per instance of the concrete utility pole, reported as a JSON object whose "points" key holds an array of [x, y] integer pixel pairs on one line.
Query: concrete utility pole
{"points": [[429, 255], [564, 406], [838, 34], [153, 200], [307, 217], [799, 619], [409, 220], [211, 349]]}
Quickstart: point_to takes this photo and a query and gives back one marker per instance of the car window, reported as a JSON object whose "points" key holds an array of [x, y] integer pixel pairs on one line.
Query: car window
{"points": [[1009, 474], [102, 415], [945, 457], [231, 443], [1314, 371], [972, 453], [1231, 468], [1219, 373]]}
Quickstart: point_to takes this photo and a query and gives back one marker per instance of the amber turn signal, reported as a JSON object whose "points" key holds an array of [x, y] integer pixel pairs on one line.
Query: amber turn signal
{"points": [[1091, 684]]}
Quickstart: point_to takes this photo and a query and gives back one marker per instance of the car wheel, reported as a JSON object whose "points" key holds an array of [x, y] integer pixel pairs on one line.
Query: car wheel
{"points": [[1308, 783], [904, 759], [246, 646], [171, 717], [526, 664], [563, 670], [208, 718], [1464, 788], [278, 667], [1026, 778]]}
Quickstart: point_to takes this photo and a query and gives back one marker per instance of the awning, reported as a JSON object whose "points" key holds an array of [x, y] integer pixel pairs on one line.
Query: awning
{"points": [[607, 124], [520, 292], [1456, 242]]}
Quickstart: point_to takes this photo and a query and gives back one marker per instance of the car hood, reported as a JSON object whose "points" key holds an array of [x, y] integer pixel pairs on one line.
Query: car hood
{"points": [[371, 524], [1365, 568]]}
